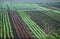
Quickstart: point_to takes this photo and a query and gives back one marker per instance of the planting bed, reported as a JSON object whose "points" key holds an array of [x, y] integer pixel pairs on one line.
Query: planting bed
{"points": [[29, 21], [21, 30], [5, 26], [32, 25], [44, 20]]}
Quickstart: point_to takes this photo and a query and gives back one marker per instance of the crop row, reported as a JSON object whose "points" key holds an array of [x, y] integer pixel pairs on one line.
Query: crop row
{"points": [[46, 22], [21, 30], [35, 28], [6, 29], [54, 13], [32, 25], [43, 8]]}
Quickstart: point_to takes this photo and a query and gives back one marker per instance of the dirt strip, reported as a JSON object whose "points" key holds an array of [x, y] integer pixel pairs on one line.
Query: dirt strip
{"points": [[20, 28]]}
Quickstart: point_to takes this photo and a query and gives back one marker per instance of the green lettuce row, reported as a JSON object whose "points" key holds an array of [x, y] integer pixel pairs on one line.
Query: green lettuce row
{"points": [[6, 28], [32, 25]]}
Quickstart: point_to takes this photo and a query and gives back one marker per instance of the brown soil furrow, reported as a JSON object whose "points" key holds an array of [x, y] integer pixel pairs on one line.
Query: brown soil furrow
{"points": [[18, 33], [25, 29], [20, 28]]}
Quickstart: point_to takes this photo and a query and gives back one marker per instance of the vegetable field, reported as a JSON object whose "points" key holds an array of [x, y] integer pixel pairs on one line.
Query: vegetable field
{"points": [[29, 21]]}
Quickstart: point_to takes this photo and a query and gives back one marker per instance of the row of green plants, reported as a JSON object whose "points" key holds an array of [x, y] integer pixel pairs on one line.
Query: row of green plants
{"points": [[35, 29], [46, 9], [6, 28], [51, 7], [54, 15], [45, 22]]}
